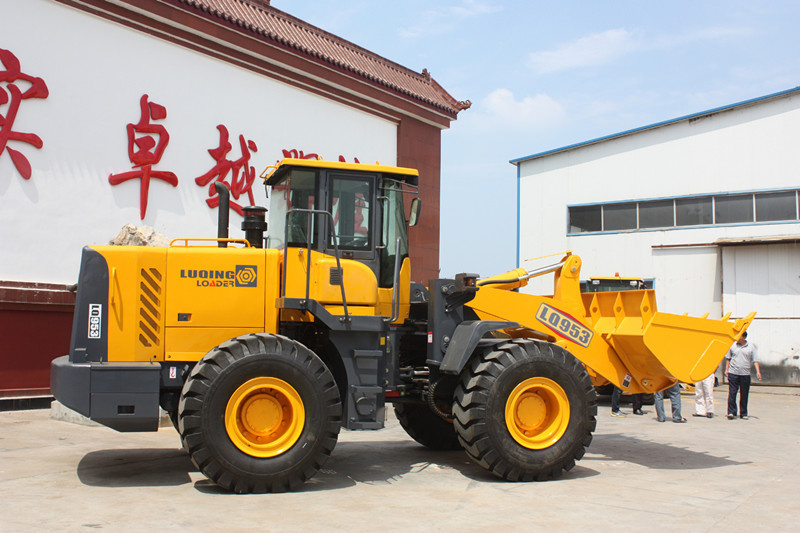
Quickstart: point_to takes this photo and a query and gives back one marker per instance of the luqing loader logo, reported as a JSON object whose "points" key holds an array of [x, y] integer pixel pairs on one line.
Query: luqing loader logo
{"points": [[246, 275], [243, 276]]}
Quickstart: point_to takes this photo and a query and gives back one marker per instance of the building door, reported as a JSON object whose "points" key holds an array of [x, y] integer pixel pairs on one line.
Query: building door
{"points": [[766, 278]]}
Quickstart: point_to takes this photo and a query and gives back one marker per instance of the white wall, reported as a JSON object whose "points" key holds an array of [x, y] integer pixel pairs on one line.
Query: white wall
{"points": [[765, 278], [96, 72]]}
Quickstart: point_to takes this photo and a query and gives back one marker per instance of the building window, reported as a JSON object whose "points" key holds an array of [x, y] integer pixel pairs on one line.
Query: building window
{"points": [[693, 211], [585, 219], [708, 210], [617, 217], [733, 208], [657, 214], [776, 206]]}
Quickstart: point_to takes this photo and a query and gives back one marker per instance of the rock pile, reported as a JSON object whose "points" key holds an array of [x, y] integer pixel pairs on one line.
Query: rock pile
{"points": [[131, 235]]}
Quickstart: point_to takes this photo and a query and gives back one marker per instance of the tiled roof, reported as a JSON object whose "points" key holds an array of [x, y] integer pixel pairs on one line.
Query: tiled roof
{"points": [[259, 17]]}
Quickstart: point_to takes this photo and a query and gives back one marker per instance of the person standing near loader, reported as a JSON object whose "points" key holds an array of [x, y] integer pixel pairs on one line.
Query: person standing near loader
{"points": [[636, 401], [704, 397], [674, 393], [738, 361]]}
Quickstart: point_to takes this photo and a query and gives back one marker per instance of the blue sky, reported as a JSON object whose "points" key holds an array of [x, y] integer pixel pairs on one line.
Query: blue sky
{"points": [[542, 75]]}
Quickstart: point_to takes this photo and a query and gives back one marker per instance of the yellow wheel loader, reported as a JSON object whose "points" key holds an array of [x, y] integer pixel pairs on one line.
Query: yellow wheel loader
{"points": [[260, 349]]}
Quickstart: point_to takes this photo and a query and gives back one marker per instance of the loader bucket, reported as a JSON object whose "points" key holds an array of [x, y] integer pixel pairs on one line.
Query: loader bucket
{"points": [[659, 345], [700, 343]]}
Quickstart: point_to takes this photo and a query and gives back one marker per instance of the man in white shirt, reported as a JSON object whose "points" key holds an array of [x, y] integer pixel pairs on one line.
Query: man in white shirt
{"points": [[738, 361]]}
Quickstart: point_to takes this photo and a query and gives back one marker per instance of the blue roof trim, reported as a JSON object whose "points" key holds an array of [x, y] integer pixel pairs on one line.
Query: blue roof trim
{"points": [[653, 126]]}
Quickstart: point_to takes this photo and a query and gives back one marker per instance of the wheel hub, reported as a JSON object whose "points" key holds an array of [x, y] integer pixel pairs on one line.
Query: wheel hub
{"points": [[537, 413], [262, 414], [264, 417], [530, 412]]}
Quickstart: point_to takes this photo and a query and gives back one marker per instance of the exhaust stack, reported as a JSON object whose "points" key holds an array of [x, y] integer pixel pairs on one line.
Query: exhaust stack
{"points": [[222, 214], [254, 225]]}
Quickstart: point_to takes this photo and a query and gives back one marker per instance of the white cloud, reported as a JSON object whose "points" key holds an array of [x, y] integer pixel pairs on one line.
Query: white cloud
{"points": [[531, 110], [442, 19], [713, 33], [473, 8], [591, 50], [605, 47]]}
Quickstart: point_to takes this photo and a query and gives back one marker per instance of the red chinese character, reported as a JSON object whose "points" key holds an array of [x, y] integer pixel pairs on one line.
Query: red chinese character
{"points": [[13, 96], [242, 176], [145, 150], [298, 154], [294, 153]]}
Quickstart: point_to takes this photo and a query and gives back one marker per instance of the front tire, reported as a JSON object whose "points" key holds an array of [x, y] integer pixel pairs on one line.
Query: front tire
{"points": [[525, 410], [259, 413]]}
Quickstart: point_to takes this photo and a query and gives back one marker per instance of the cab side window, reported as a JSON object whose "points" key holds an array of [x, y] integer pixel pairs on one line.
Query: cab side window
{"points": [[394, 228]]}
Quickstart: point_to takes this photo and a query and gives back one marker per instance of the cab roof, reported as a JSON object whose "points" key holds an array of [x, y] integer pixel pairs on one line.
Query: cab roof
{"points": [[280, 169]]}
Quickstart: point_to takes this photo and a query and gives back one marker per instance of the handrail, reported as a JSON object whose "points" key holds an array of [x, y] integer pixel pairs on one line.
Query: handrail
{"points": [[173, 243], [334, 238], [396, 289]]}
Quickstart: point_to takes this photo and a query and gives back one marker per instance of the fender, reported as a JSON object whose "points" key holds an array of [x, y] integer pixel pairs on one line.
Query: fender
{"points": [[465, 339]]}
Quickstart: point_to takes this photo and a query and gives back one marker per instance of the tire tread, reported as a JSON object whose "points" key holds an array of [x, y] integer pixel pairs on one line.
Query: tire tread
{"points": [[470, 409]]}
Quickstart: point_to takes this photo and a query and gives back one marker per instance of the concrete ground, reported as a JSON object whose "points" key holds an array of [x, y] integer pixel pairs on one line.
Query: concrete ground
{"points": [[638, 475]]}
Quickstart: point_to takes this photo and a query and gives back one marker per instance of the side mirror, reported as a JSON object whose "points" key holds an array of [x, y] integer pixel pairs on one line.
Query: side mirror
{"points": [[413, 217]]}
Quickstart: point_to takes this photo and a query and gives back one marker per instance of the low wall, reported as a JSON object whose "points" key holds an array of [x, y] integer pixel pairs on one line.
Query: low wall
{"points": [[35, 327]]}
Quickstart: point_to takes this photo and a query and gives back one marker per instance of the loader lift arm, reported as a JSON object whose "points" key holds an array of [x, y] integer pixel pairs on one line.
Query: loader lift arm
{"points": [[620, 336]]}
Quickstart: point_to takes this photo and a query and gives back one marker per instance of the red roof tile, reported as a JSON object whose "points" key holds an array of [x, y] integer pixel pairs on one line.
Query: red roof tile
{"points": [[259, 17]]}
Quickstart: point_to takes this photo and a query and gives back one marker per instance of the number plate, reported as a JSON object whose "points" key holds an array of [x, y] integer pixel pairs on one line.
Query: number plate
{"points": [[95, 321], [564, 325]]}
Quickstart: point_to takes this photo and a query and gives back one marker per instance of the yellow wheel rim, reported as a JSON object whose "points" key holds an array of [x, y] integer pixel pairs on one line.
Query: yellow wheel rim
{"points": [[537, 413], [265, 417]]}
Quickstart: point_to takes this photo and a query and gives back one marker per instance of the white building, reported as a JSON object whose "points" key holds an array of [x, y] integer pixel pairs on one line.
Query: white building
{"points": [[704, 205]]}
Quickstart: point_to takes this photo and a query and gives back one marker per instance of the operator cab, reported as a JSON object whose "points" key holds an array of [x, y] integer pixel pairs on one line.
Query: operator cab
{"points": [[354, 209]]}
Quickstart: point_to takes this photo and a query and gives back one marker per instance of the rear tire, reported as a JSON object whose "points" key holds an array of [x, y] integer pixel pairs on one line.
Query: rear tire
{"points": [[426, 427], [259, 413], [525, 410]]}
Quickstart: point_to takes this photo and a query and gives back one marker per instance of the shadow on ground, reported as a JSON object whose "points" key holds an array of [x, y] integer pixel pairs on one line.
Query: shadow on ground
{"points": [[378, 462], [657, 455], [368, 462], [135, 468]]}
